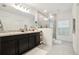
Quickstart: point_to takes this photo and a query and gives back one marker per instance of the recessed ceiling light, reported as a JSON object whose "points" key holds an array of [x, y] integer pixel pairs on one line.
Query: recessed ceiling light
{"points": [[45, 11], [51, 16], [45, 19]]}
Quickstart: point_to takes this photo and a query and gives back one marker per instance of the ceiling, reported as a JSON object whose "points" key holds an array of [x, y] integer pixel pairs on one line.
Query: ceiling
{"points": [[64, 10], [52, 7]]}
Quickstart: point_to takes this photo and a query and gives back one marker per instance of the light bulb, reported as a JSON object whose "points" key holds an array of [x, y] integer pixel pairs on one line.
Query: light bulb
{"points": [[45, 19], [45, 11]]}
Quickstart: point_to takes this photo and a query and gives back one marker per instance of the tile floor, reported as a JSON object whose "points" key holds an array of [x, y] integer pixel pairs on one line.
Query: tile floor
{"points": [[65, 48]]}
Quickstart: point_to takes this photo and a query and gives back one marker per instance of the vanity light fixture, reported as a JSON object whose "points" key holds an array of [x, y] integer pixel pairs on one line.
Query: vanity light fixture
{"points": [[16, 4], [21, 8], [28, 10], [24, 7]]}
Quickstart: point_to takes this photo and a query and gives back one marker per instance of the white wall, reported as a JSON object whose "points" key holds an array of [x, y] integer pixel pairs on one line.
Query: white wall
{"points": [[14, 21], [74, 13], [76, 34]]}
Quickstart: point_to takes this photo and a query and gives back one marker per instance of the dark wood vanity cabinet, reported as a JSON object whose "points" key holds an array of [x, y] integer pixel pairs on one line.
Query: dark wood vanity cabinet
{"points": [[32, 41], [18, 44], [37, 41], [23, 44], [8, 46]]}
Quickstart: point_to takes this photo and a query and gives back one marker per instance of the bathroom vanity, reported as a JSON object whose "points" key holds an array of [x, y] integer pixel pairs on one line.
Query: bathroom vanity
{"points": [[16, 43]]}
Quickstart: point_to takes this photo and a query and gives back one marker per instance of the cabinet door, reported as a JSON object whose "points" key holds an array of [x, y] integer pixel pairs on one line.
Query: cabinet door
{"points": [[23, 44], [31, 40], [0, 46], [8, 47], [37, 40]]}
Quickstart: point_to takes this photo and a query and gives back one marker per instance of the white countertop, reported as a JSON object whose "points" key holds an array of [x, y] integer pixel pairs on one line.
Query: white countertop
{"points": [[16, 33]]}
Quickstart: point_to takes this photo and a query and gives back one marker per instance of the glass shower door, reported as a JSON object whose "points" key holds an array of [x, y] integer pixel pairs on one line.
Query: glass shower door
{"points": [[63, 30]]}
